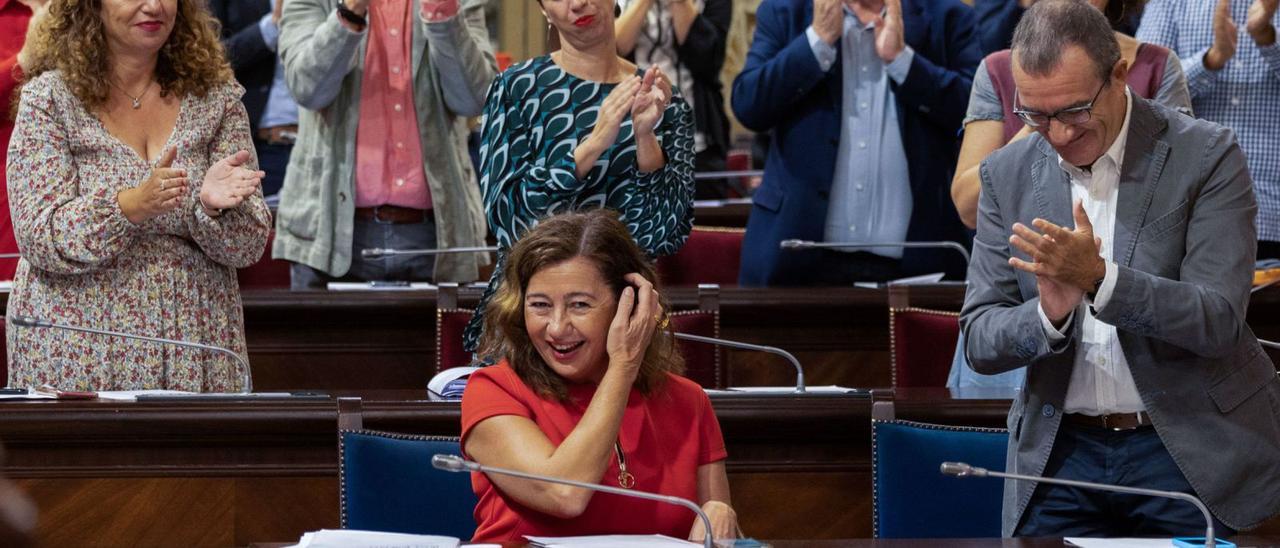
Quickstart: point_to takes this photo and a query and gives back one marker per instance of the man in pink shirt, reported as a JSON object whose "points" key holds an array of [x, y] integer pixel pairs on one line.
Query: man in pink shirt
{"points": [[384, 87]]}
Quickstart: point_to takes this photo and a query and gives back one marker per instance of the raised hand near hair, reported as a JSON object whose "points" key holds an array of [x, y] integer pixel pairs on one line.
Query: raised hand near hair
{"points": [[889, 33], [651, 101], [639, 311], [609, 117], [164, 190], [1224, 37], [828, 20], [1258, 21], [228, 182]]}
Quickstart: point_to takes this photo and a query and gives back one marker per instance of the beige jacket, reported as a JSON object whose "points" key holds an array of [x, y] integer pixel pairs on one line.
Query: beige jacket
{"points": [[323, 64]]}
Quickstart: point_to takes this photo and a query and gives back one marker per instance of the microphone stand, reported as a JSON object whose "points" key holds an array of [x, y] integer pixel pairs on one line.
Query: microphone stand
{"points": [[454, 463], [808, 244], [963, 470], [756, 347], [38, 323], [379, 252]]}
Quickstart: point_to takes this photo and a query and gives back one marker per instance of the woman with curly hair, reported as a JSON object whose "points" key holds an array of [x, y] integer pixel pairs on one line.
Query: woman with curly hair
{"points": [[588, 389], [134, 198]]}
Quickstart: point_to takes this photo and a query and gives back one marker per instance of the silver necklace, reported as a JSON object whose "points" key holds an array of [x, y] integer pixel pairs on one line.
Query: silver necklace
{"points": [[137, 101]]}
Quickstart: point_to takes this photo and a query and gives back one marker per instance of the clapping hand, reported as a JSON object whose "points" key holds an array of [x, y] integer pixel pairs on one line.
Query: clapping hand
{"points": [[161, 192], [613, 110], [1224, 37], [651, 101], [1258, 21], [889, 33], [828, 19], [1066, 262], [434, 11], [228, 182]]}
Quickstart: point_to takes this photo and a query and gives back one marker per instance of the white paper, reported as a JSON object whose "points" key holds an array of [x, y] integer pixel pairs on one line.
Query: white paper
{"points": [[30, 395], [830, 389], [370, 286], [132, 395], [611, 541], [350, 538], [1120, 542], [437, 384]]}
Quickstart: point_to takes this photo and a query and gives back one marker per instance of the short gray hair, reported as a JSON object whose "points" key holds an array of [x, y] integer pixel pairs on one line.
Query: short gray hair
{"points": [[1049, 26]]}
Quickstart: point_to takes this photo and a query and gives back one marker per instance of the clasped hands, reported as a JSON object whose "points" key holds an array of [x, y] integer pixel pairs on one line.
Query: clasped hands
{"points": [[828, 23], [644, 98], [433, 11], [1066, 262], [1225, 37], [226, 184]]}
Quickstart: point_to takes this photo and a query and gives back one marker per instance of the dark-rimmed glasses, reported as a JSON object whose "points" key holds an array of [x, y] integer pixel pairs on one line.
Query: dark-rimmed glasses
{"points": [[1072, 116]]}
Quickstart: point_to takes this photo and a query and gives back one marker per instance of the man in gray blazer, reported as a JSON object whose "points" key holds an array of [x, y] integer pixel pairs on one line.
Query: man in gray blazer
{"points": [[1140, 368], [381, 159]]}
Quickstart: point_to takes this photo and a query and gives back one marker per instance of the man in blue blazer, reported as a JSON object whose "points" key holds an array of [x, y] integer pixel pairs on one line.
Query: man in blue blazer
{"points": [[864, 102]]}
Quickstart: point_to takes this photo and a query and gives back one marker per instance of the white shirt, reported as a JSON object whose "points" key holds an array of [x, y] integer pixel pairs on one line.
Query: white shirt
{"points": [[1100, 379]]}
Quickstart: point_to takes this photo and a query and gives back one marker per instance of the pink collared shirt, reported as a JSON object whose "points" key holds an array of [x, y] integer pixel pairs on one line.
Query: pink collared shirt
{"points": [[389, 169]]}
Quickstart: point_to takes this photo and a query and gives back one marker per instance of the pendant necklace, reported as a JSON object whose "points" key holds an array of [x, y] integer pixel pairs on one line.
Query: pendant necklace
{"points": [[625, 479], [137, 101]]}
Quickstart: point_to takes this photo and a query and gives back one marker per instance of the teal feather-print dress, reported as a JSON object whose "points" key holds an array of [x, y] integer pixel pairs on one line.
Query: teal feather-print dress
{"points": [[535, 116]]}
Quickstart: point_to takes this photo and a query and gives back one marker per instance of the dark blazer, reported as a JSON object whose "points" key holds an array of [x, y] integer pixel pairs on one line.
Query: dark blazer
{"points": [[996, 21], [1184, 247], [253, 63], [703, 53], [782, 89]]}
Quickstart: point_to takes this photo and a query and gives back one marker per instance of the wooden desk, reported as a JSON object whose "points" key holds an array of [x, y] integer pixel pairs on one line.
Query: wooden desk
{"points": [[208, 474]]}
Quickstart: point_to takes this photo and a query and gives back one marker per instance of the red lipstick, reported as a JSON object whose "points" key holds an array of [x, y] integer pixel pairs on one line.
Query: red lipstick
{"points": [[151, 26], [584, 21]]}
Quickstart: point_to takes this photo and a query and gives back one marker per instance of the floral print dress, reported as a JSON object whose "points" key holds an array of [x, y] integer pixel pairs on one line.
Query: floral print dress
{"points": [[535, 116], [84, 264]]}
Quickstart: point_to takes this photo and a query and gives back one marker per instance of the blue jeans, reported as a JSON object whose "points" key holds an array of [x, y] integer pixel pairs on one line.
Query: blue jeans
{"points": [[1132, 458], [368, 234]]}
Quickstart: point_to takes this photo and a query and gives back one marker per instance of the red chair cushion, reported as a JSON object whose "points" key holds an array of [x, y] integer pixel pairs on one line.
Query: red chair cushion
{"points": [[450, 324], [267, 273], [701, 360], [924, 343], [708, 257]]}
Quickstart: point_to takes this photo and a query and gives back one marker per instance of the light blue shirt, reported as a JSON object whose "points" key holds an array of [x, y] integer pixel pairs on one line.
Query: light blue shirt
{"points": [[281, 109], [871, 190]]}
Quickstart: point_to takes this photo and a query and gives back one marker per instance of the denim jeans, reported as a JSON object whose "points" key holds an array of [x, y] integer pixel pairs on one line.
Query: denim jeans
{"points": [[369, 234]]}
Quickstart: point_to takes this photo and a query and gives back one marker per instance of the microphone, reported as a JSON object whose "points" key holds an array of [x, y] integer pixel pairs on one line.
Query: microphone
{"points": [[963, 470], [808, 244], [756, 347], [40, 323], [454, 463], [1269, 344], [379, 252], [10, 255]]}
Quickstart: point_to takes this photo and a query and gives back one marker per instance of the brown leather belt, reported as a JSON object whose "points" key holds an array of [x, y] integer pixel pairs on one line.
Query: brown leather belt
{"points": [[1117, 421], [278, 135], [392, 215]]}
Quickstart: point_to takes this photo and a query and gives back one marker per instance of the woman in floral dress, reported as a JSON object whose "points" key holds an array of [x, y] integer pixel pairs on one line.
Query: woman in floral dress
{"points": [[134, 199]]}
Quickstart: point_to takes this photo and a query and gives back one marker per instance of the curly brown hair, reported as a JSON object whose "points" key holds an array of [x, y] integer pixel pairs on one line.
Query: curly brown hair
{"points": [[71, 38], [603, 240]]}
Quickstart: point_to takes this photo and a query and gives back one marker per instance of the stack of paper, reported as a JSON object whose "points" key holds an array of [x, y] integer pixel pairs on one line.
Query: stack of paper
{"points": [[349, 538], [611, 541]]}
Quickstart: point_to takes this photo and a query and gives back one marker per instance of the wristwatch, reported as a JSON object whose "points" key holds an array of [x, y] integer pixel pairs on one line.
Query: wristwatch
{"points": [[351, 16]]}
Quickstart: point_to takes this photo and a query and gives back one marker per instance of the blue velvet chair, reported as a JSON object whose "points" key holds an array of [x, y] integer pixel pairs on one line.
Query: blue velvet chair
{"points": [[912, 499], [386, 483]]}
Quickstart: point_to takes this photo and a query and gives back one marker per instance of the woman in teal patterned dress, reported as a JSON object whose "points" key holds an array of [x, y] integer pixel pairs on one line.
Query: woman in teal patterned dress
{"points": [[582, 128]]}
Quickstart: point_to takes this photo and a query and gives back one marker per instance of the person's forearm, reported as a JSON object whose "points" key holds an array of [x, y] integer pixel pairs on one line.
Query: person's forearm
{"points": [[649, 155], [965, 189], [683, 12], [627, 26], [585, 156]]}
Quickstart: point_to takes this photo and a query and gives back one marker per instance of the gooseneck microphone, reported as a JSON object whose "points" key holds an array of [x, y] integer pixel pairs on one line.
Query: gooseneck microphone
{"points": [[748, 346], [807, 244], [454, 463], [379, 252], [40, 323], [963, 470]]}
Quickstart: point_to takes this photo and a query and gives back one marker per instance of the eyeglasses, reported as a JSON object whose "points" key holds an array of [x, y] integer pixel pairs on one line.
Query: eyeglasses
{"points": [[1073, 116]]}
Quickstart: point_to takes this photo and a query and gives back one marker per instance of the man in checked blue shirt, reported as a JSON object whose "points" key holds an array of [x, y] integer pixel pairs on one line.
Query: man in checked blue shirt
{"points": [[1234, 81], [864, 99]]}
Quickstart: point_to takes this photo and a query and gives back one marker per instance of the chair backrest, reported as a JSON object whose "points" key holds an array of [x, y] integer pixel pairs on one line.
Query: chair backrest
{"points": [[267, 273], [711, 255], [922, 341], [702, 361], [387, 483], [911, 498]]}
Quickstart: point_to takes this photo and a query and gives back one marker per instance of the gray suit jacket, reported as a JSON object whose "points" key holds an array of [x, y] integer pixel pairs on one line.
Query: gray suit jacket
{"points": [[1184, 244], [324, 67]]}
